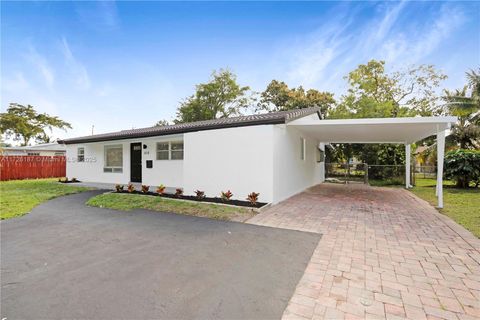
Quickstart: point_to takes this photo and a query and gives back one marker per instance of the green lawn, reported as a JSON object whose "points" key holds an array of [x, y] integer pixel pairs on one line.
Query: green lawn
{"points": [[462, 205], [18, 197], [124, 201]]}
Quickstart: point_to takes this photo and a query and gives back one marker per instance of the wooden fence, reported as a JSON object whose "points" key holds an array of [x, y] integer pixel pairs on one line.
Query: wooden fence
{"points": [[31, 167]]}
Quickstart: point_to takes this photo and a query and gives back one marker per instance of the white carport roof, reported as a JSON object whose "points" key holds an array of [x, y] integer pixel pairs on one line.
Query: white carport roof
{"points": [[382, 130], [379, 130]]}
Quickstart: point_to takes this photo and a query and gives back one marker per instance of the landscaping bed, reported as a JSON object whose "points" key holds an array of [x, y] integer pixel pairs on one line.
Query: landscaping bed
{"points": [[136, 200], [65, 180], [216, 200]]}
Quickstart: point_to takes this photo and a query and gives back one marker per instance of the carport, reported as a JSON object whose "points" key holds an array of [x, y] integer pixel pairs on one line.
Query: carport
{"points": [[382, 130]]}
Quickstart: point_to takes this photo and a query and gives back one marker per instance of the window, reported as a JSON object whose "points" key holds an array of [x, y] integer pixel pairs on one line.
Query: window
{"points": [[172, 150], [177, 150], [81, 154], [33, 153], [59, 154], [302, 148], [163, 151], [113, 158]]}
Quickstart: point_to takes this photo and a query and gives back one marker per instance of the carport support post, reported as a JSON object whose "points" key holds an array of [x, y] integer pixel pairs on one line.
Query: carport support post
{"points": [[408, 156], [440, 156]]}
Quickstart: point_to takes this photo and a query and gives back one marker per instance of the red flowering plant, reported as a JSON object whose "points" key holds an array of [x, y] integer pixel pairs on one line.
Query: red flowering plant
{"points": [[199, 194], [226, 195], [253, 198], [161, 189], [178, 192]]}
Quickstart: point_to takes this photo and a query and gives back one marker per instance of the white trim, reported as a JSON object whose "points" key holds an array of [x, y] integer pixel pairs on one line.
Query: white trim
{"points": [[408, 156], [440, 158], [373, 121]]}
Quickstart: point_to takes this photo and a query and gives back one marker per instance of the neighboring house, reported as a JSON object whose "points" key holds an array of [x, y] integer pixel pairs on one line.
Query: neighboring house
{"points": [[45, 149], [276, 154]]}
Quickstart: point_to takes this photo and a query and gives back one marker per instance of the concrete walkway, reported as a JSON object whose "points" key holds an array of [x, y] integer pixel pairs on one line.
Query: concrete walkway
{"points": [[384, 253]]}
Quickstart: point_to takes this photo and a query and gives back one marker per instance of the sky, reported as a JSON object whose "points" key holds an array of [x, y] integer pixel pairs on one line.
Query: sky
{"points": [[121, 65]]}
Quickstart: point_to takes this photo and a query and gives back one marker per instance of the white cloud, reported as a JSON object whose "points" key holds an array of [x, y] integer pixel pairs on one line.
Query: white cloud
{"points": [[78, 70], [322, 58], [42, 66]]}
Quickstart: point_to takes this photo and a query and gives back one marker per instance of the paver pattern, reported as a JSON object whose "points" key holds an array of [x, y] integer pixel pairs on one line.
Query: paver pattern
{"points": [[384, 254]]}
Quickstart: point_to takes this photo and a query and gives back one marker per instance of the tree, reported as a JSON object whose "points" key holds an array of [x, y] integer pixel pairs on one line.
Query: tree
{"points": [[221, 97], [466, 106], [279, 97], [161, 123], [24, 123], [374, 93]]}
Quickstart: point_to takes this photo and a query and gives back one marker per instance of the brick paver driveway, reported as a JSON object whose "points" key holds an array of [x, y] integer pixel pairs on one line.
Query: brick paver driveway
{"points": [[384, 253]]}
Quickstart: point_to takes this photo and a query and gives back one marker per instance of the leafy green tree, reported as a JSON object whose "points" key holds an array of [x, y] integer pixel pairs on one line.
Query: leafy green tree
{"points": [[374, 93], [162, 122], [24, 123], [465, 104], [279, 97], [221, 97]]}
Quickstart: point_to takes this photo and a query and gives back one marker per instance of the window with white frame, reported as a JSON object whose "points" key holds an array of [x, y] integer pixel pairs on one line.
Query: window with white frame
{"points": [[302, 148], [176, 150], [113, 161], [170, 150], [163, 150], [81, 154]]}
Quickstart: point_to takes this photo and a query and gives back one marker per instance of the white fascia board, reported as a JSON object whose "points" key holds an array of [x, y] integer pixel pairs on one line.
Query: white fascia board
{"points": [[407, 120]]}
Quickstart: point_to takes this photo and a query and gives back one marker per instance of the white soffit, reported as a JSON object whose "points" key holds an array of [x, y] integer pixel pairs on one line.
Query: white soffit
{"points": [[378, 130]]}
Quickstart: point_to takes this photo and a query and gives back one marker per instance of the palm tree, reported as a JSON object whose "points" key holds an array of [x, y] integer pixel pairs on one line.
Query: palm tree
{"points": [[465, 104]]}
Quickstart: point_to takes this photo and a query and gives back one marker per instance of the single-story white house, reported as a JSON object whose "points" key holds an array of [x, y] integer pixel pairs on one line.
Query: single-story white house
{"points": [[44, 149], [276, 154]]}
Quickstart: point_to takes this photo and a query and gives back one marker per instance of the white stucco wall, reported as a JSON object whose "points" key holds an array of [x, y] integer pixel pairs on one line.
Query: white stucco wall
{"points": [[239, 159], [291, 173], [167, 172], [264, 159]]}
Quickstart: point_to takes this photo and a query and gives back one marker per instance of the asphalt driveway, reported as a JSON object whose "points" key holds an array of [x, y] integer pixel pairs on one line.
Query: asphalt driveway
{"points": [[67, 260]]}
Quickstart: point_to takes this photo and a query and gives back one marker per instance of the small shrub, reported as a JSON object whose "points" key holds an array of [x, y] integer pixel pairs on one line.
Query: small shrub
{"points": [[199, 194], [226, 196], [178, 192], [119, 187], [463, 166], [145, 188], [130, 188], [63, 179], [74, 180], [161, 189], [253, 198]]}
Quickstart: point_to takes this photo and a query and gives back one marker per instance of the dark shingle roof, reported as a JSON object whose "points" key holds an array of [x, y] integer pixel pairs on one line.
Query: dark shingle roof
{"points": [[242, 121]]}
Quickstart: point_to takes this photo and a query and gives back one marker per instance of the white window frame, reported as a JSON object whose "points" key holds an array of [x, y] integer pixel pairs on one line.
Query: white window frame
{"points": [[112, 169], [163, 151], [178, 150], [81, 154], [169, 151], [303, 148]]}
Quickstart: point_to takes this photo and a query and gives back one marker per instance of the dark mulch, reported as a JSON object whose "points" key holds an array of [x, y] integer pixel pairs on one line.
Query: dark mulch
{"points": [[69, 181], [239, 203]]}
